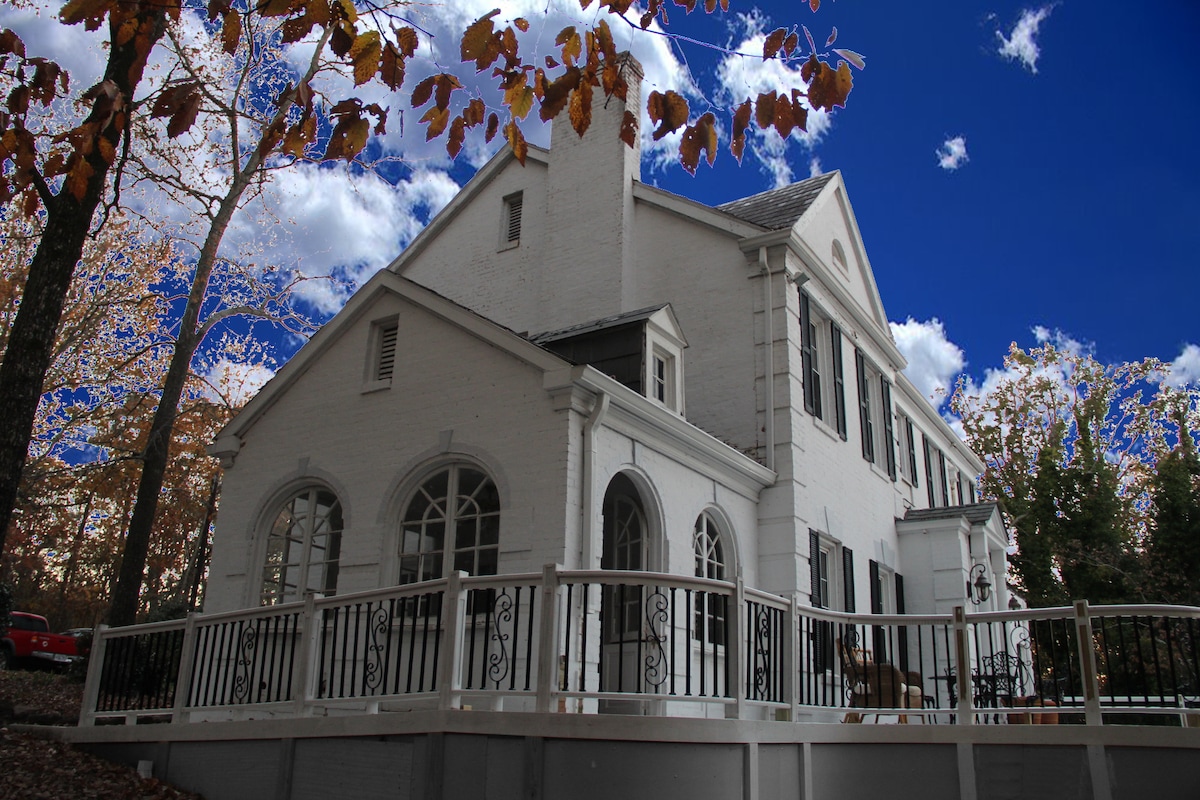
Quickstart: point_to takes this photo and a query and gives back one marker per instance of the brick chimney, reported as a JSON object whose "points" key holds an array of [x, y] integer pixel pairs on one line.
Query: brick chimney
{"points": [[588, 265]]}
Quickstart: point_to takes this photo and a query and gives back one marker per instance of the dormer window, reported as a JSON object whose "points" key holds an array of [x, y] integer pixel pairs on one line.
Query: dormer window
{"points": [[510, 221], [662, 377]]}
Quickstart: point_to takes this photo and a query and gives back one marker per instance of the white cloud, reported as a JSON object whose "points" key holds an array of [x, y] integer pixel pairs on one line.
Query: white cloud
{"points": [[1019, 45], [934, 362], [953, 153], [815, 168], [1185, 370], [234, 383], [739, 77]]}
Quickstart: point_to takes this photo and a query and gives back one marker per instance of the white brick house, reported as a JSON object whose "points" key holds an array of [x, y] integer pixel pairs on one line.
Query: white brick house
{"points": [[606, 375]]}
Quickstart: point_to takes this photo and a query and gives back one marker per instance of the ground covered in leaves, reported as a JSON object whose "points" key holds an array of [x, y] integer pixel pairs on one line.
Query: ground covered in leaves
{"points": [[36, 768]]}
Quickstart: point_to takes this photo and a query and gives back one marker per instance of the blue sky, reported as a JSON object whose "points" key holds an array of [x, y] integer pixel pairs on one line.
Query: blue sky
{"points": [[1076, 207]]}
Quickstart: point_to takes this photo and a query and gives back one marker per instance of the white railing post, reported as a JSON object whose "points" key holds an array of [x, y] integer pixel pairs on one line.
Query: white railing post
{"points": [[962, 666], [547, 644], [740, 629], [306, 670], [91, 684], [183, 680], [791, 657], [1087, 664], [454, 610]]}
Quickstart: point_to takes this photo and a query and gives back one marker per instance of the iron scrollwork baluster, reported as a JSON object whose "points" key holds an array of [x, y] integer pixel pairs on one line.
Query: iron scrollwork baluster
{"points": [[378, 624], [244, 665], [502, 615], [656, 664], [762, 652]]}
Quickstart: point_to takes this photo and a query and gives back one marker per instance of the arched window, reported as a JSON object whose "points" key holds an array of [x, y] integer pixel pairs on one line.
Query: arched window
{"points": [[303, 547], [710, 563], [839, 255], [452, 522]]}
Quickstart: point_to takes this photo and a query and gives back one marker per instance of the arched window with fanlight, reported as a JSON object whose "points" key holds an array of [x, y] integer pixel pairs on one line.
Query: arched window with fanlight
{"points": [[303, 548], [451, 522], [710, 609]]}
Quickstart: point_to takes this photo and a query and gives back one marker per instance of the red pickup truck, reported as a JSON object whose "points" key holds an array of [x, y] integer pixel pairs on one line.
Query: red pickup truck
{"points": [[28, 637]]}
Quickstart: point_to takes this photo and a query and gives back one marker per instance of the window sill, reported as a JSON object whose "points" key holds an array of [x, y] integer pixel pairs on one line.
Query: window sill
{"points": [[508, 246], [370, 387]]}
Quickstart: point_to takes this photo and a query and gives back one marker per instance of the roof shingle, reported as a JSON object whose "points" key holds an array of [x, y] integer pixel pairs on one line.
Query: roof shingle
{"points": [[777, 209]]}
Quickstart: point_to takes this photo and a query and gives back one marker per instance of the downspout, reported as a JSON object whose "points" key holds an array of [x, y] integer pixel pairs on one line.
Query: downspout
{"points": [[769, 341], [599, 411]]}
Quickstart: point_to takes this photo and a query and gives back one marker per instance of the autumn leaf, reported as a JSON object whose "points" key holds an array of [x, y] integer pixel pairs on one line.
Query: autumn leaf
{"points": [[391, 67], [181, 103], [516, 140], [580, 108], [832, 37], [764, 110], [791, 43], [84, 10], [741, 121], [784, 120], [348, 139], [629, 128], [365, 54], [493, 124], [558, 92], [669, 111], [696, 138], [830, 87], [571, 44], [814, 5], [519, 100], [437, 118], [773, 42], [458, 133], [853, 57], [300, 136], [522, 24], [231, 32], [406, 41], [77, 177]]}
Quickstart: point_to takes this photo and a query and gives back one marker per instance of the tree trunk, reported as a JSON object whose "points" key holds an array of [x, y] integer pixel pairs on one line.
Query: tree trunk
{"points": [[68, 220]]}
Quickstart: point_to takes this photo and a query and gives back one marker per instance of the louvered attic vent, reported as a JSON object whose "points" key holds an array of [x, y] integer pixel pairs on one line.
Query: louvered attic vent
{"points": [[387, 352], [513, 221]]}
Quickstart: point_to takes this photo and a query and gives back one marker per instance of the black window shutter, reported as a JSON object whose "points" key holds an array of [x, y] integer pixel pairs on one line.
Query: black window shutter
{"points": [[839, 382], [902, 633], [961, 500], [848, 579], [912, 451], [945, 486], [899, 593], [814, 563], [971, 491], [889, 430], [864, 406], [928, 471], [876, 589], [806, 355]]}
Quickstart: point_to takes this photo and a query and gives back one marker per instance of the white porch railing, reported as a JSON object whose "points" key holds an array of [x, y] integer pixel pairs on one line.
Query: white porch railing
{"points": [[638, 642]]}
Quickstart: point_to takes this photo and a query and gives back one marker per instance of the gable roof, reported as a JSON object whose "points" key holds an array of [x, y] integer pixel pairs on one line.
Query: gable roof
{"points": [[640, 315], [777, 209]]}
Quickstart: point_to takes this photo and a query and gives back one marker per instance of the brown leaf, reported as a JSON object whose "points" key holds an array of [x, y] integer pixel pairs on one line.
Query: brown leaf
{"points": [[458, 133], [181, 103], [365, 55], [550, 62], [423, 91], [773, 42], [830, 87], [580, 108], [348, 139], [791, 43], [809, 68], [764, 110], [437, 118], [84, 10], [406, 41], [741, 121], [218, 8], [126, 31], [473, 114], [522, 24], [274, 8], [18, 99], [604, 40], [572, 45], [698, 137], [832, 37], [296, 28], [516, 140], [231, 32], [710, 6], [558, 92], [300, 136], [11, 43], [519, 101], [340, 41], [391, 67], [784, 120], [77, 178], [669, 111], [629, 128], [478, 41], [814, 5], [493, 124]]}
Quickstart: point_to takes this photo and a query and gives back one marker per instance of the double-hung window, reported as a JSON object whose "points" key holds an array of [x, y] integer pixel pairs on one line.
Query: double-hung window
{"points": [[821, 364], [907, 462], [875, 415]]}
